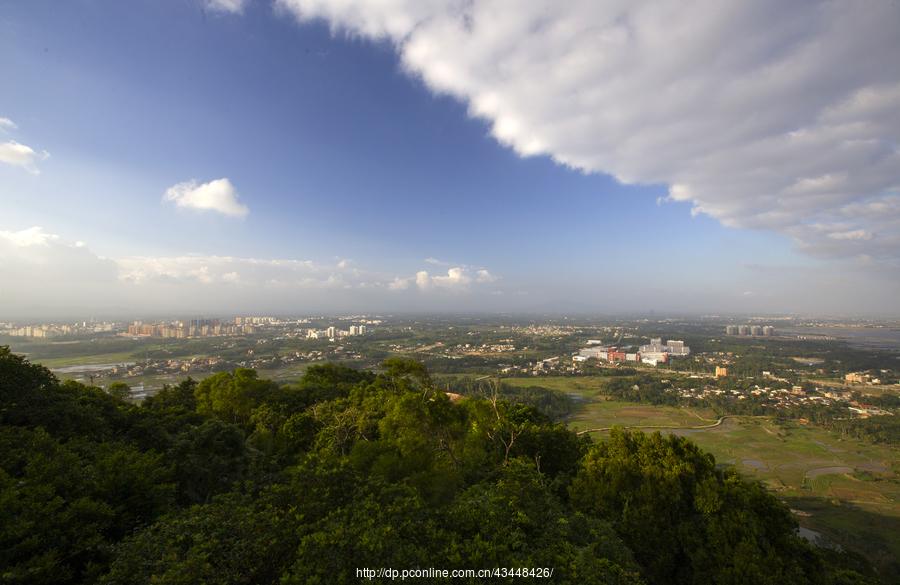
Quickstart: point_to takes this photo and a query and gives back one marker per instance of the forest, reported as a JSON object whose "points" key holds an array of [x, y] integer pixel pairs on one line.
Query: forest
{"points": [[241, 480]]}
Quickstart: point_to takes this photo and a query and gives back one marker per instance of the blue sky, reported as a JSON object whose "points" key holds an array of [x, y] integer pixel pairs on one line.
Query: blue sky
{"points": [[351, 160]]}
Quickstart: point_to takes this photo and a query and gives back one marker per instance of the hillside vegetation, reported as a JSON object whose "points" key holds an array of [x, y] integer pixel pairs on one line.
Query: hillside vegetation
{"points": [[240, 480]]}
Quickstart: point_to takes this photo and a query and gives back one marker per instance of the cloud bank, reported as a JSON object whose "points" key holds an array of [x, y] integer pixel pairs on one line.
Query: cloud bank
{"points": [[43, 272], [218, 195], [762, 114]]}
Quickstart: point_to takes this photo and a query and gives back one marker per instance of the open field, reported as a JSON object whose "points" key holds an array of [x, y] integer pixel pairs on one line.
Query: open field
{"points": [[608, 413], [583, 386], [847, 490], [98, 358]]}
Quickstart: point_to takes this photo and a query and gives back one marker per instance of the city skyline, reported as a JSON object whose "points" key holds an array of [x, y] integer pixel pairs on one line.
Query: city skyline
{"points": [[291, 156]]}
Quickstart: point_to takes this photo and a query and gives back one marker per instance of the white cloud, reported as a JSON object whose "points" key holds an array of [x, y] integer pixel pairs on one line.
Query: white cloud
{"points": [[226, 6], [457, 278], [762, 114], [399, 283], [36, 265], [33, 236], [218, 195], [484, 276], [6, 124], [20, 155], [851, 235], [423, 281]]}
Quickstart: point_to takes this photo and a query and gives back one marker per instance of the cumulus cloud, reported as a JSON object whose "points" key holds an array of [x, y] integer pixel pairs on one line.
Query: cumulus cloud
{"points": [[218, 195], [399, 283], [484, 276], [6, 124], [20, 155], [457, 278], [762, 114], [226, 6], [33, 236]]}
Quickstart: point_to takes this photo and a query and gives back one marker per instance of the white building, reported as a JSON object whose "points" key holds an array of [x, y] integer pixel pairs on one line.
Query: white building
{"points": [[675, 348], [599, 353]]}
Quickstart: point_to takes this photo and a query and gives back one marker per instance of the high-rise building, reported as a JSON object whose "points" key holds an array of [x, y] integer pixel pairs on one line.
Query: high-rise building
{"points": [[731, 330], [743, 330], [677, 348], [331, 332], [755, 330], [768, 330], [362, 329]]}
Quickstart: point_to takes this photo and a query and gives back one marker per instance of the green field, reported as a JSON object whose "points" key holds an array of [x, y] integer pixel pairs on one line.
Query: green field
{"points": [[584, 386], [98, 358], [847, 490]]}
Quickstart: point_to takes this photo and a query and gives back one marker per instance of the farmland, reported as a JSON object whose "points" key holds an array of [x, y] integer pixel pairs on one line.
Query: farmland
{"points": [[844, 489]]}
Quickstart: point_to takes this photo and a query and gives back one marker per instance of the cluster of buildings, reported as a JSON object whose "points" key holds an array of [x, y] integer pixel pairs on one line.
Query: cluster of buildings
{"points": [[861, 378], [192, 328], [750, 330], [256, 321], [46, 330], [333, 332], [656, 352], [784, 398]]}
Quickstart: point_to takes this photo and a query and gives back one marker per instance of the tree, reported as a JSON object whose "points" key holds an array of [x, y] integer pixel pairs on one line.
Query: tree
{"points": [[119, 390], [232, 396]]}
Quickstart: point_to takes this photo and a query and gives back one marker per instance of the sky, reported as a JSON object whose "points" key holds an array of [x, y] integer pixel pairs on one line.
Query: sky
{"points": [[300, 156]]}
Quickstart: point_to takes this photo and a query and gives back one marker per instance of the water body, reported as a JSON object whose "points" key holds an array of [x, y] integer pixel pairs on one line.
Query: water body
{"points": [[865, 337], [80, 369], [814, 473], [817, 538], [755, 464]]}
